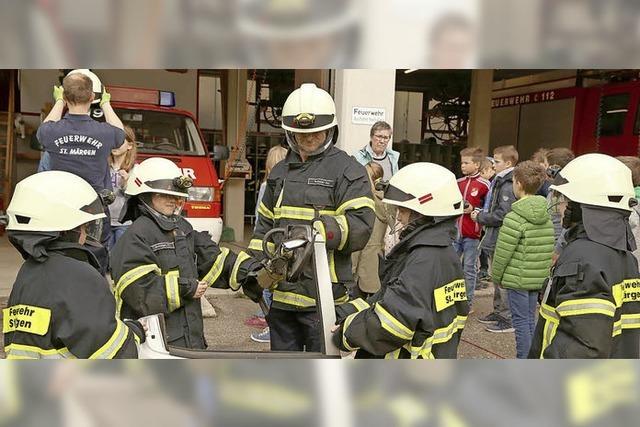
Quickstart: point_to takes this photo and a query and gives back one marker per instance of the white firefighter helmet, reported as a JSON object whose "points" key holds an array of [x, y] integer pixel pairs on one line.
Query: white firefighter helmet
{"points": [[309, 109], [158, 175], [296, 19], [426, 188], [95, 81], [55, 201], [598, 180]]}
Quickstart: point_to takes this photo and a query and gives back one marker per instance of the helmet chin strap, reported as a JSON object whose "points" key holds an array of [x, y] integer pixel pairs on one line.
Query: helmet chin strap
{"points": [[157, 214], [415, 221], [293, 144]]}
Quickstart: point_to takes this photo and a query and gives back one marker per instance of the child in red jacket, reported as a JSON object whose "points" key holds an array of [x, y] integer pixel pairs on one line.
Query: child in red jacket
{"points": [[474, 189]]}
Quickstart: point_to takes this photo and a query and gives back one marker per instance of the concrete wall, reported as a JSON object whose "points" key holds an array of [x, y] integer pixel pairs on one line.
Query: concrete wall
{"points": [[361, 88]]}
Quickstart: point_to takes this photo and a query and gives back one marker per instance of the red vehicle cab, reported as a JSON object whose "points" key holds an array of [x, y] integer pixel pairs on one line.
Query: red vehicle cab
{"points": [[608, 119], [165, 131]]}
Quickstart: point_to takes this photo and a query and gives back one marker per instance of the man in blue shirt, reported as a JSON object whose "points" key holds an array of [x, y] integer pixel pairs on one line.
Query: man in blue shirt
{"points": [[78, 144]]}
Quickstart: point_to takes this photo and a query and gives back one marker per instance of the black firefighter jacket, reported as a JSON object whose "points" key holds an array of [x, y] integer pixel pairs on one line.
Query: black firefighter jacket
{"points": [[332, 187], [593, 305], [156, 266], [421, 308], [61, 307]]}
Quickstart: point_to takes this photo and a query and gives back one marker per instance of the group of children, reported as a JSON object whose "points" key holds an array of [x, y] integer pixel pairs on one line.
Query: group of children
{"points": [[510, 226]]}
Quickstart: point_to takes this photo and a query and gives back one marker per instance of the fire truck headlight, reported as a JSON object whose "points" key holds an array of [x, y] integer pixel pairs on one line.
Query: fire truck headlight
{"points": [[200, 194]]}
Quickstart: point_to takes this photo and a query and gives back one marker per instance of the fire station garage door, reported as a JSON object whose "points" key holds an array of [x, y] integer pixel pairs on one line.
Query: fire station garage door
{"points": [[504, 126], [546, 124]]}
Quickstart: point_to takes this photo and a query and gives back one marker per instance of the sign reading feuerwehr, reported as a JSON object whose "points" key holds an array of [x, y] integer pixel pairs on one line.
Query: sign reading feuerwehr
{"points": [[534, 97], [367, 115]]}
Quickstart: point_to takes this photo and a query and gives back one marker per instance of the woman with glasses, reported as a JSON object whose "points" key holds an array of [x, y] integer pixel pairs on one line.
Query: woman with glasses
{"points": [[378, 150]]}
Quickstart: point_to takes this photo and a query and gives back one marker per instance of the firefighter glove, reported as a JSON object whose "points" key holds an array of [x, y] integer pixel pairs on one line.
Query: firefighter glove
{"points": [[267, 278], [106, 97], [58, 93]]}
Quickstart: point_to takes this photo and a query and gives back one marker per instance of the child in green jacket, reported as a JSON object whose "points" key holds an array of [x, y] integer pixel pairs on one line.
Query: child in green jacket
{"points": [[523, 252]]}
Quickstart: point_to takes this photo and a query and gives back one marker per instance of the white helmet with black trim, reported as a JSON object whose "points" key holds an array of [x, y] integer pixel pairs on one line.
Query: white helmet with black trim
{"points": [[95, 82], [158, 175], [426, 188], [598, 180], [309, 109], [56, 201]]}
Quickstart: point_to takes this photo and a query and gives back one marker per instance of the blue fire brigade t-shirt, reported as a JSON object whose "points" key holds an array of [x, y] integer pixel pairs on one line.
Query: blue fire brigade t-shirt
{"points": [[80, 145]]}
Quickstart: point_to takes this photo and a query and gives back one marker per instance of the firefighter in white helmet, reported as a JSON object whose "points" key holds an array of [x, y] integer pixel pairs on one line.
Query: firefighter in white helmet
{"points": [[316, 182], [421, 308], [162, 265], [60, 306], [591, 307]]}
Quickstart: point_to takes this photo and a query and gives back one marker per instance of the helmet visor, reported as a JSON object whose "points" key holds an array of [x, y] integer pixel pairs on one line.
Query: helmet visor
{"points": [[93, 229], [397, 195], [180, 184], [307, 121]]}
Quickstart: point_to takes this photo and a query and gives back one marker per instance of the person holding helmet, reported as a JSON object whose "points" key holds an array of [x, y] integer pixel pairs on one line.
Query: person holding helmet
{"points": [[162, 265], [315, 183], [60, 306], [591, 307], [78, 144], [421, 308]]}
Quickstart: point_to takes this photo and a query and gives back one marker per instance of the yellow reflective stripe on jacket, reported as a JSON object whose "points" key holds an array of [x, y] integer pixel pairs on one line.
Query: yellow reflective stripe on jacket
{"points": [[440, 336], [293, 299], [357, 203], [22, 351], [552, 320], [247, 396], [300, 300], [114, 343], [301, 213], [134, 274], [173, 290], [347, 323], [344, 298], [344, 230], [256, 245], [627, 321], [332, 267], [391, 324], [26, 318], [279, 201], [360, 304], [217, 267], [264, 211], [128, 278], [395, 354], [319, 227], [233, 282], [583, 306]]}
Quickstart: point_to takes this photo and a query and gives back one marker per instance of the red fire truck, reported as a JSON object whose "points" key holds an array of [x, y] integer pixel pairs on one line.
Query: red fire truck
{"points": [[165, 131], [603, 118]]}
